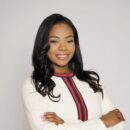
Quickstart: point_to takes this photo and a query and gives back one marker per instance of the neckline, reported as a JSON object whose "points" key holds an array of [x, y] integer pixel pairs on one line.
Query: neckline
{"points": [[71, 74]]}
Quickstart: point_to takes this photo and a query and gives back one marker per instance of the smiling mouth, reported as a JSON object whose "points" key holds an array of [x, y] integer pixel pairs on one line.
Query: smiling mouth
{"points": [[62, 56]]}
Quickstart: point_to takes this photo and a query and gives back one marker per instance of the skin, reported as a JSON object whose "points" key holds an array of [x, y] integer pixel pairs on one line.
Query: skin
{"points": [[61, 40], [112, 118]]}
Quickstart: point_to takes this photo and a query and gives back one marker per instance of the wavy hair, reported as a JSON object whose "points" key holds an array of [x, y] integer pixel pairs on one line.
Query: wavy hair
{"points": [[43, 69]]}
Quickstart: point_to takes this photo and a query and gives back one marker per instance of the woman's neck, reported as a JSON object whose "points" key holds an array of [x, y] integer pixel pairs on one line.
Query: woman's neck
{"points": [[62, 69]]}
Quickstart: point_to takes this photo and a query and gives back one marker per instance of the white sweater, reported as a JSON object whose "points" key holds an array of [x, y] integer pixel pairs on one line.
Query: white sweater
{"points": [[67, 108]]}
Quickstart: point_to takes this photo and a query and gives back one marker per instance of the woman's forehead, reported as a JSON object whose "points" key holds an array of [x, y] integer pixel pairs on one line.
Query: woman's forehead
{"points": [[61, 30]]}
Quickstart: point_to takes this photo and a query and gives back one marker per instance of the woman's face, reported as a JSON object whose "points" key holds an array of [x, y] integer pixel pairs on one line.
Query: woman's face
{"points": [[62, 45]]}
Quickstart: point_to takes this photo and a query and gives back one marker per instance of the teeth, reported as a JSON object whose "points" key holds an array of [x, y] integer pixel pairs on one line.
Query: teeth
{"points": [[61, 56]]}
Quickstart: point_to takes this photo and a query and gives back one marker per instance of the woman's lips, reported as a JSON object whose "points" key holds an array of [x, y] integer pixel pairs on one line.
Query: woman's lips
{"points": [[61, 56]]}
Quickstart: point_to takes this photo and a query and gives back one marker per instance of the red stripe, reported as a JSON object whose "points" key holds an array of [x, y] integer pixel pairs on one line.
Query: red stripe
{"points": [[75, 98], [64, 74], [84, 108]]}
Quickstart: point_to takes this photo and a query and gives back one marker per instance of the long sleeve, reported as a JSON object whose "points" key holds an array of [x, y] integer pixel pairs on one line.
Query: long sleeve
{"points": [[36, 105], [107, 106]]}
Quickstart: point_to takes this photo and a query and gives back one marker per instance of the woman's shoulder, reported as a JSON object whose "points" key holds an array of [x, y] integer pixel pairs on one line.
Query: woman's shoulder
{"points": [[30, 95], [28, 85]]}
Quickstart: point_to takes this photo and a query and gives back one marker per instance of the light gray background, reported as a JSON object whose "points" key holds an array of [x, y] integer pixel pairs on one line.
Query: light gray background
{"points": [[104, 33]]}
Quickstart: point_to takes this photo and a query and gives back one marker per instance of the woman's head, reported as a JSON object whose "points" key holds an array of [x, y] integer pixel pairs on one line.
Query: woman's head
{"points": [[62, 47], [43, 53], [64, 50]]}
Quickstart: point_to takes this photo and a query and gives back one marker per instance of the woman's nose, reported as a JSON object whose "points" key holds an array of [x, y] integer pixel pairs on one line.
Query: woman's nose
{"points": [[62, 46]]}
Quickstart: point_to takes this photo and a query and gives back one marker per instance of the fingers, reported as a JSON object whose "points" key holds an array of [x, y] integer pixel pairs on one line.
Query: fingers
{"points": [[52, 117], [49, 115], [112, 118], [53, 113], [119, 115]]}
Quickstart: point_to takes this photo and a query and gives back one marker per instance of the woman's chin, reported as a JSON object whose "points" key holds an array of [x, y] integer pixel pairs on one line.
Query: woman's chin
{"points": [[62, 64]]}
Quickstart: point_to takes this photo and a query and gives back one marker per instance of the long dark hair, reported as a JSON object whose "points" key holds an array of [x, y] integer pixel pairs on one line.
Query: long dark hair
{"points": [[43, 69]]}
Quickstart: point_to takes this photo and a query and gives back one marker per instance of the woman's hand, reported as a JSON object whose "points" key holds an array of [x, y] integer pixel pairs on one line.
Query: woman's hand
{"points": [[112, 118], [52, 117]]}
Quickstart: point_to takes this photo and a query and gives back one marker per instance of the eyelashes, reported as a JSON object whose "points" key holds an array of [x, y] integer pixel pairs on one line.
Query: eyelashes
{"points": [[70, 41], [54, 41]]}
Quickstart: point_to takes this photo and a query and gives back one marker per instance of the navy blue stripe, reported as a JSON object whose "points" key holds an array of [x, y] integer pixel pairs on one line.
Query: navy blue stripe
{"points": [[72, 96], [83, 105], [82, 111]]}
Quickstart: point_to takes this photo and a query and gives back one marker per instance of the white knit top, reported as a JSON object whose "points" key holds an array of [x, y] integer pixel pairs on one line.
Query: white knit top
{"points": [[79, 106]]}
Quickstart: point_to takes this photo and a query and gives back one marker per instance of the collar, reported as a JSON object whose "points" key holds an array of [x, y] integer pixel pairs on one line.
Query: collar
{"points": [[71, 74]]}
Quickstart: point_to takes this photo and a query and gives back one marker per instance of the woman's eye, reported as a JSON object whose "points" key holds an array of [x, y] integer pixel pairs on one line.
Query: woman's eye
{"points": [[70, 41], [53, 41]]}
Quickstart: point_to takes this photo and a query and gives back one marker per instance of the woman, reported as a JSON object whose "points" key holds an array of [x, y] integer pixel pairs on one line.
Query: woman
{"points": [[60, 95]]}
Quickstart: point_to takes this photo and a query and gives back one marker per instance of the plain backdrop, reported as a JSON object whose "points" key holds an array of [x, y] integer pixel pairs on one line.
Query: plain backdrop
{"points": [[104, 35]]}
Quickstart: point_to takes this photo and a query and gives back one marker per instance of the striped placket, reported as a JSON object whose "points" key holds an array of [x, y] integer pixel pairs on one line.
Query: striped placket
{"points": [[79, 101]]}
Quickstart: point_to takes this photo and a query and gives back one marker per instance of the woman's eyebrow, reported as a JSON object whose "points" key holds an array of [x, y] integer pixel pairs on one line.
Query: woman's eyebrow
{"points": [[59, 37], [53, 37], [69, 36]]}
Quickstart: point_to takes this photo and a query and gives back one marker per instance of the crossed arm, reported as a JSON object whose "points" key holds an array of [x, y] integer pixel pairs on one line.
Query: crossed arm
{"points": [[41, 118], [110, 119]]}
